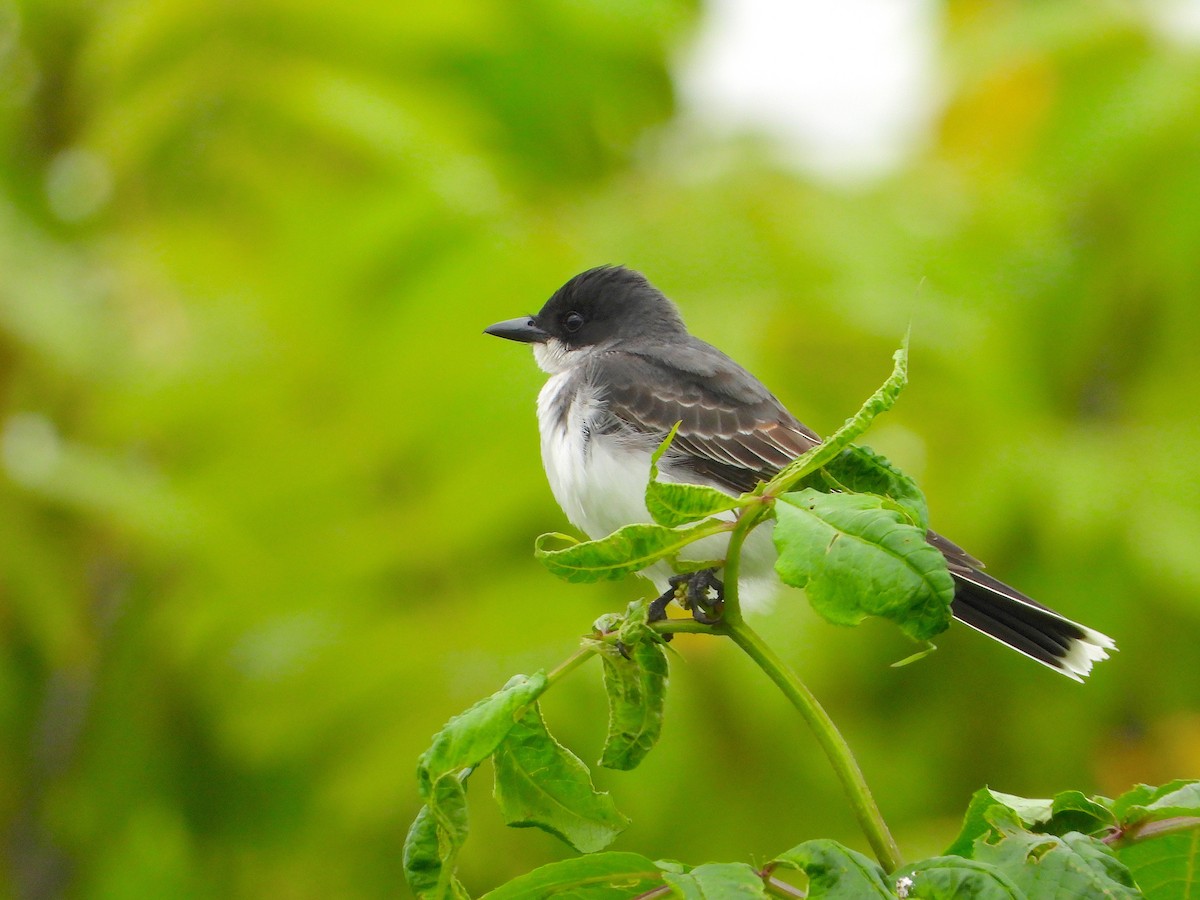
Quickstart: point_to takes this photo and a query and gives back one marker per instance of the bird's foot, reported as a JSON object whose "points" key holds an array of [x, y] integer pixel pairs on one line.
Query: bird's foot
{"points": [[657, 611], [701, 592]]}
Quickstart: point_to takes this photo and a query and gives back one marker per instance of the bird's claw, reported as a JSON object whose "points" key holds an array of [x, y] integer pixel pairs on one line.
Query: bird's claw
{"points": [[702, 593], [657, 611]]}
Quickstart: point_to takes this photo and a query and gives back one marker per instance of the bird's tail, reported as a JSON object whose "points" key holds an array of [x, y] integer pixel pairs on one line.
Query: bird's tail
{"points": [[1015, 620]]}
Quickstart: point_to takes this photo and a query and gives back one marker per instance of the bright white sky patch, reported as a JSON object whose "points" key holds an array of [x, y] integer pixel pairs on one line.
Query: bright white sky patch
{"points": [[1177, 20], [846, 87]]}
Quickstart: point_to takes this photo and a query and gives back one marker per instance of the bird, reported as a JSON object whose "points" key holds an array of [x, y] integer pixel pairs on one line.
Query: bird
{"points": [[624, 370]]}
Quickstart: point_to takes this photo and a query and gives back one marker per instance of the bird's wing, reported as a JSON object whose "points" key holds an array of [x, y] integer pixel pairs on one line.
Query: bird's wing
{"points": [[732, 432]]}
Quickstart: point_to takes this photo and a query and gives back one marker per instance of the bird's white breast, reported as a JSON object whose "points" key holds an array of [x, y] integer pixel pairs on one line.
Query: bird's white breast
{"points": [[598, 480], [600, 483]]}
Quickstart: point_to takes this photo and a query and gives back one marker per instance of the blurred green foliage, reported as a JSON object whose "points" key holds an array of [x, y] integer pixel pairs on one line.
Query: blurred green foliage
{"points": [[267, 496]]}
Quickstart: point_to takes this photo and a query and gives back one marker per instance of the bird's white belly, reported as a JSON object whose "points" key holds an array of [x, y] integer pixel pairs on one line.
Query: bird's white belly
{"points": [[601, 486]]}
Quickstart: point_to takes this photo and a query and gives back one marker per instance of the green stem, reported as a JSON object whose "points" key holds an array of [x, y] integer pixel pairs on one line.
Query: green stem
{"points": [[570, 664], [863, 804], [1146, 830], [870, 820], [782, 888], [866, 810], [683, 626], [747, 519]]}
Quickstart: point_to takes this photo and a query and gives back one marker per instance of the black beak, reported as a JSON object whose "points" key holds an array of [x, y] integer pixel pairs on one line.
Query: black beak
{"points": [[523, 329]]}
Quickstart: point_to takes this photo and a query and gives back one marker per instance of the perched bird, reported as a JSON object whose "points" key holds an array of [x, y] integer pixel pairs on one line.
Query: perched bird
{"points": [[623, 370]]}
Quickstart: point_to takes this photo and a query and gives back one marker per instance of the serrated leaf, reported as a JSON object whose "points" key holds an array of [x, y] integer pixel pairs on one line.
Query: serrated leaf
{"points": [[1075, 811], [1138, 796], [677, 503], [716, 881], [540, 783], [975, 822], [1165, 867], [599, 876], [472, 736], [636, 688], [1177, 798], [836, 872], [1068, 811], [955, 878], [672, 503], [824, 453], [863, 471], [608, 623], [434, 840], [1161, 839], [1048, 865], [625, 551], [672, 865], [856, 558]]}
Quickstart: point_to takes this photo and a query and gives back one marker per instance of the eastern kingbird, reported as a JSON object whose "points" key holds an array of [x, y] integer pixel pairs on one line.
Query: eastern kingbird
{"points": [[623, 370]]}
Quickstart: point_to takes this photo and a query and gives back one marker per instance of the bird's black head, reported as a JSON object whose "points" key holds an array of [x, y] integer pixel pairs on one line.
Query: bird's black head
{"points": [[605, 305]]}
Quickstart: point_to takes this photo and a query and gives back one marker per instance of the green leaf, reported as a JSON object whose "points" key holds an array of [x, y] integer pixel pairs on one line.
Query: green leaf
{"points": [[1068, 811], [1177, 798], [1165, 867], [927, 647], [540, 783], [976, 824], [434, 840], [600, 876], [715, 881], [627, 550], [677, 503], [472, 736], [673, 504], [836, 872], [464, 742], [955, 878], [855, 558], [1048, 865], [1161, 840], [608, 623], [1075, 811], [1135, 798], [823, 454], [636, 688], [672, 865], [863, 471]]}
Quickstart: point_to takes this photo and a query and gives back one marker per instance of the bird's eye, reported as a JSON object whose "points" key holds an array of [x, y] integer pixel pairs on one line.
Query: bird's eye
{"points": [[572, 322]]}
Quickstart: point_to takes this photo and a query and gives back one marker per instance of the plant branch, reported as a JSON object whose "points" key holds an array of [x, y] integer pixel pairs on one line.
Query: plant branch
{"points": [[1143, 831], [747, 519], [782, 888], [568, 665], [863, 804], [732, 624], [663, 890], [684, 626], [866, 810]]}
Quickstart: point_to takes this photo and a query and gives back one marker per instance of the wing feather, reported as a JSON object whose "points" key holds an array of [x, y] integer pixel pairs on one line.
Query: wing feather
{"points": [[732, 429]]}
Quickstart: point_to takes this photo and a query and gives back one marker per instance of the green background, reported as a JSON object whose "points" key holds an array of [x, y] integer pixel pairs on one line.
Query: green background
{"points": [[268, 496]]}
